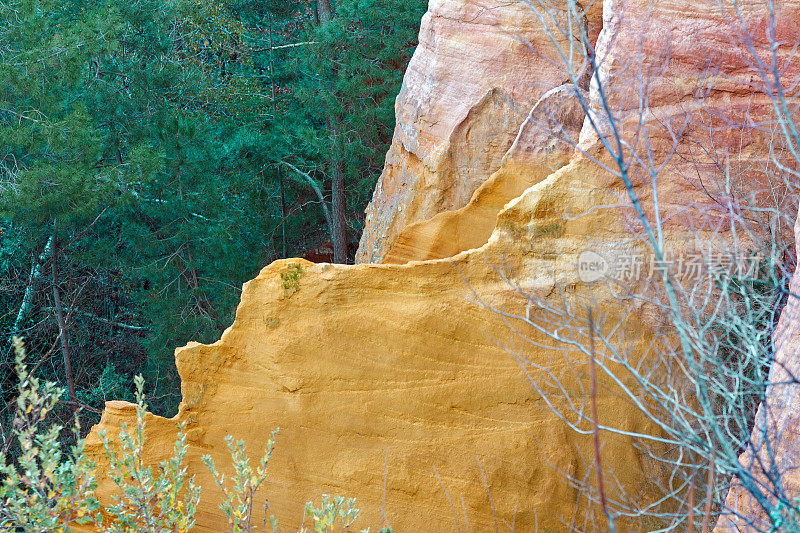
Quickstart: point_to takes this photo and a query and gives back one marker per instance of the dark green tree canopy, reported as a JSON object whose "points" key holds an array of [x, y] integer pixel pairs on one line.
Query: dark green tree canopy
{"points": [[146, 150]]}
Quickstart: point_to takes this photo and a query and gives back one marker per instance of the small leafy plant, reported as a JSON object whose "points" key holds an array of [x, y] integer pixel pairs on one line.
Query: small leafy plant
{"points": [[291, 278], [149, 503], [44, 491], [332, 510], [237, 502]]}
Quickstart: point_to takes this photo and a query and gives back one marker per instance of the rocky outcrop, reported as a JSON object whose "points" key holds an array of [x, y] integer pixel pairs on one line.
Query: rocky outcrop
{"points": [[541, 147], [410, 386], [384, 376], [479, 68]]}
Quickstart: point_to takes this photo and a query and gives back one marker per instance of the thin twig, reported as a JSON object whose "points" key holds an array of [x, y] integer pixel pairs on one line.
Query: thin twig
{"points": [[464, 510], [449, 500], [283, 46], [595, 426], [709, 493], [384, 518], [87, 228], [489, 493], [92, 316], [690, 526]]}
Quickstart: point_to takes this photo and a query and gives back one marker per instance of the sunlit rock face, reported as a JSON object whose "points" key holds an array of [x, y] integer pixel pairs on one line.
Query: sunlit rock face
{"points": [[479, 68], [385, 377], [409, 386], [539, 149]]}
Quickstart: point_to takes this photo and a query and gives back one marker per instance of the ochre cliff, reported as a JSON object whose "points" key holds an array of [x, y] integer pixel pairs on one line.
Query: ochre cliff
{"points": [[378, 374], [410, 384], [479, 68]]}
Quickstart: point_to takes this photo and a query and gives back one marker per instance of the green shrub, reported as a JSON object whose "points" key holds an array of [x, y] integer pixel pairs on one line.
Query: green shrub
{"points": [[237, 502], [331, 511], [42, 490], [149, 504]]}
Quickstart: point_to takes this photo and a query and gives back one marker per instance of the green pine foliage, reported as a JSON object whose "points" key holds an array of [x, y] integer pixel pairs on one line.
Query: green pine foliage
{"points": [[142, 175], [356, 75]]}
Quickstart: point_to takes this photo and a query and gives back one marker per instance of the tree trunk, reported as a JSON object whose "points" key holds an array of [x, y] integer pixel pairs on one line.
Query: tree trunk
{"points": [[324, 10], [62, 330], [283, 210], [335, 167], [33, 281], [338, 205]]}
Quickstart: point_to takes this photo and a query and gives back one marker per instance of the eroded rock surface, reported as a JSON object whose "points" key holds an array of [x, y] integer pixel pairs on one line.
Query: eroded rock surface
{"points": [[479, 68], [378, 369], [399, 383], [541, 147]]}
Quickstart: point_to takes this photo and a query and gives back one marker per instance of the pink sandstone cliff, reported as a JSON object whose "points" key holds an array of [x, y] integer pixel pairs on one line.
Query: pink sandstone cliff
{"points": [[538, 150], [392, 382], [467, 90]]}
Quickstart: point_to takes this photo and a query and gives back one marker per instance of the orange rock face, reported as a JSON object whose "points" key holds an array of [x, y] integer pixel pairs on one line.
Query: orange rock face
{"points": [[479, 68], [408, 385], [388, 376]]}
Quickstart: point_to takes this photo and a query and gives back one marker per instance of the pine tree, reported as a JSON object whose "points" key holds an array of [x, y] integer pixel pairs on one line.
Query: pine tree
{"points": [[155, 155]]}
